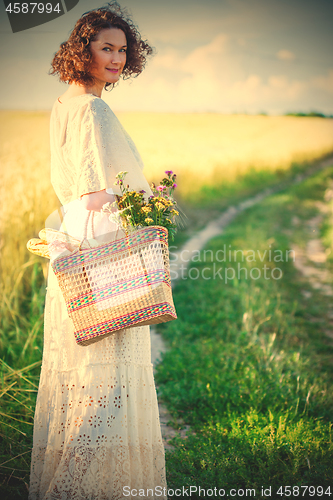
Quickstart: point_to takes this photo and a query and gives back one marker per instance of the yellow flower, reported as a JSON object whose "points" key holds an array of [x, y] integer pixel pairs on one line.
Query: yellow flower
{"points": [[174, 212], [160, 206], [148, 220], [146, 210], [168, 220], [166, 202]]}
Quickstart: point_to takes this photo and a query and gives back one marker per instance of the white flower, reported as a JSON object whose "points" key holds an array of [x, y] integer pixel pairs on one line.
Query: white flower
{"points": [[117, 218], [121, 175], [108, 207]]}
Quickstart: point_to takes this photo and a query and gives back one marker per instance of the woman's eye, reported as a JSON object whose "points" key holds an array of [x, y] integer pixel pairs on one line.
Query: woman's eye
{"points": [[108, 49]]}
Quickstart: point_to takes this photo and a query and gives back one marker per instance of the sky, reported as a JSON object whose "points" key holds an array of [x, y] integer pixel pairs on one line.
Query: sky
{"points": [[227, 56]]}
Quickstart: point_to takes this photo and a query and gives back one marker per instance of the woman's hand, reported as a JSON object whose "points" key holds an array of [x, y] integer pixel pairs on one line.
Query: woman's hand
{"points": [[95, 201]]}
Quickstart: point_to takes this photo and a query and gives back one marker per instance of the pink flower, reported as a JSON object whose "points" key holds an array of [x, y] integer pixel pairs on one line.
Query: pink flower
{"points": [[168, 172], [174, 186], [160, 188]]}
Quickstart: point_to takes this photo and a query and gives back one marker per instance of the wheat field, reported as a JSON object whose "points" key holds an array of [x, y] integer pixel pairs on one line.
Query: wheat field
{"points": [[200, 148], [214, 148]]}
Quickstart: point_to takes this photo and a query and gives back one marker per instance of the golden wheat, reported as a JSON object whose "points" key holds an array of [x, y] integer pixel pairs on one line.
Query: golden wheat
{"points": [[212, 148], [26, 194]]}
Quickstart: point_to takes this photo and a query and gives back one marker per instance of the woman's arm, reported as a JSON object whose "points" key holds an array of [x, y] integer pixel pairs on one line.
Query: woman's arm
{"points": [[95, 201]]}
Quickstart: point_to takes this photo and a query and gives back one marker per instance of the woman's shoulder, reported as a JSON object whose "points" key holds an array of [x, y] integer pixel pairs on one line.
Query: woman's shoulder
{"points": [[83, 103], [91, 107]]}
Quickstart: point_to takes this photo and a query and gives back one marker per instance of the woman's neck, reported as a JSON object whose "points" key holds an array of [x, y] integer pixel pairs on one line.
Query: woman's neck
{"points": [[75, 90]]}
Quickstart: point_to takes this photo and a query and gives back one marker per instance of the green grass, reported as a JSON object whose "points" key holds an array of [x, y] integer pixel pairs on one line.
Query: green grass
{"points": [[327, 226], [222, 195], [249, 366], [21, 349]]}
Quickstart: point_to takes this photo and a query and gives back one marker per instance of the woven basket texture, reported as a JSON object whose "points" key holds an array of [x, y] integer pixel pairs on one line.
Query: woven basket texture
{"points": [[117, 285]]}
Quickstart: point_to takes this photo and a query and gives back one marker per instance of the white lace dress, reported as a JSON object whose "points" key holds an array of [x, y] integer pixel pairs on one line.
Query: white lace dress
{"points": [[96, 431]]}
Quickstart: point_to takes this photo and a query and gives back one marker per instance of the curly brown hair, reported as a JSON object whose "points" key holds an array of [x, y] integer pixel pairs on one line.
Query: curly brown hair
{"points": [[73, 60]]}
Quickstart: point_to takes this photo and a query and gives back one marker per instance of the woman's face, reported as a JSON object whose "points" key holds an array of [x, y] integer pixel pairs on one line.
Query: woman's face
{"points": [[108, 52]]}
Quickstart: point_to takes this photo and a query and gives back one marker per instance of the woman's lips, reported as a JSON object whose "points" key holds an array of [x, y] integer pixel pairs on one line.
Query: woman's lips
{"points": [[113, 70]]}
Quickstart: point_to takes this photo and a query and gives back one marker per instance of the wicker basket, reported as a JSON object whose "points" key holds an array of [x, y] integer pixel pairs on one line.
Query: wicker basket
{"points": [[117, 285]]}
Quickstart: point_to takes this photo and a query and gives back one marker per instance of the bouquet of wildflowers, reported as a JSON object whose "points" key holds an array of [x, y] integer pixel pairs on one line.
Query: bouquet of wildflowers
{"points": [[134, 212]]}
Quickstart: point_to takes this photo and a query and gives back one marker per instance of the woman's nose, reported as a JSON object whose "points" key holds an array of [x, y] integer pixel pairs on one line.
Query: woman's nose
{"points": [[116, 57]]}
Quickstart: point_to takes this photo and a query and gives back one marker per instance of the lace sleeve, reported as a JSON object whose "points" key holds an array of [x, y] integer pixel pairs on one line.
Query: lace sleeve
{"points": [[104, 150], [93, 159]]}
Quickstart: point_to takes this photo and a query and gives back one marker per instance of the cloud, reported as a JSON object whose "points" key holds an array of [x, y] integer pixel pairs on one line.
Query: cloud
{"points": [[285, 55], [204, 59], [324, 83], [169, 60], [281, 85], [206, 56], [278, 93]]}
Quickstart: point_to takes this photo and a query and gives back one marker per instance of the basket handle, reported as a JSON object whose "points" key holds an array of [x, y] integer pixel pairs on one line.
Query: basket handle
{"points": [[90, 216], [144, 268]]}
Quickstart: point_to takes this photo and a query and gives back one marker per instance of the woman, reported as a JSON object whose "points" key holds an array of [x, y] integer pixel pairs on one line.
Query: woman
{"points": [[96, 432]]}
